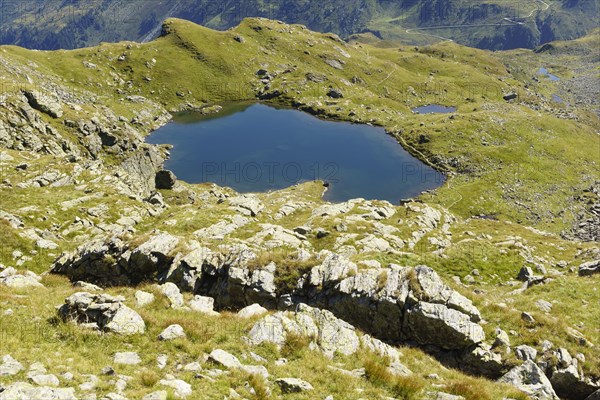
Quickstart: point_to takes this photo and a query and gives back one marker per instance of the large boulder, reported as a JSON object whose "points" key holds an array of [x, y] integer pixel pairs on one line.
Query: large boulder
{"points": [[328, 333], [10, 278], [153, 255], [247, 204], [436, 324], [165, 179], [103, 312], [44, 102], [110, 261], [530, 379]]}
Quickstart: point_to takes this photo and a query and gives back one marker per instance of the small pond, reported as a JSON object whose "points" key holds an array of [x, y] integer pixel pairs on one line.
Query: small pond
{"points": [[257, 148], [557, 99], [434, 109], [545, 72]]}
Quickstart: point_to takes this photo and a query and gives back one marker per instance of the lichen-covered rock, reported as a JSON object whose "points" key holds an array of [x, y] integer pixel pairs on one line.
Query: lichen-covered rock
{"points": [[107, 312], [293, 385], [329, 333], [436, 324], [253, 310], [44, 102], [10, 366], [25, 391], [530, 379], [172, 332]]}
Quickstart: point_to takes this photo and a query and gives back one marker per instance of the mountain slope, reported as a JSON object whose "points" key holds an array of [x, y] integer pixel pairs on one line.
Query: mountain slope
{"points": [[498, 24]]}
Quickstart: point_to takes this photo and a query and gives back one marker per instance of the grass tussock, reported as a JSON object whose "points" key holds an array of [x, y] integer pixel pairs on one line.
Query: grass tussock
{"points": [[289, 268], [402, 387], [261, 391], [294, 345]]}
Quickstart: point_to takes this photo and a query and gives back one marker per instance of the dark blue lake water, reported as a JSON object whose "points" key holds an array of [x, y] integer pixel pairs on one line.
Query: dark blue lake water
{"points": [[257, 148], [434, 109]]}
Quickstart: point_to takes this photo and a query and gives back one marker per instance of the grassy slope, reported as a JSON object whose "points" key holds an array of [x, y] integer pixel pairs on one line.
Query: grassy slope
{"points": [[514, 155]]}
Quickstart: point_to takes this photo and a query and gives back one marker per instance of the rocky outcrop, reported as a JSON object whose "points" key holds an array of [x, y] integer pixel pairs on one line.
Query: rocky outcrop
{"points": [[395, 304], [46, 103], [589, 268], [102, 312], [530, 379], [110, 261], [330, 334]]}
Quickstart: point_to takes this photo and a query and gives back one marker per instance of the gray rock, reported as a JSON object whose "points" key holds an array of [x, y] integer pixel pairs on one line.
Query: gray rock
{"points": [[525, 316], [293, 385], [193, 367], [255, 370], [182, 389], [88, 287], [525, 353], [334, 64], [165, 179], [441, 326], [10, 366], [330, 334], [115, 396], [127, 358], [161, 361], [335, 94], [481, 360], [203, 304], [530, 379], [125, 321], [510, 96], [225, 359], [564, 358], [45, 380], [154, 255], [172, 292], [502, 339], [172, 332], [525, 274], [107, 312], [158, 395], [25, 391], [589, 268], [17, 281], [143, 298], [544, 305], [247, 203], [46, 103], [442, 396], [252, 311]]}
